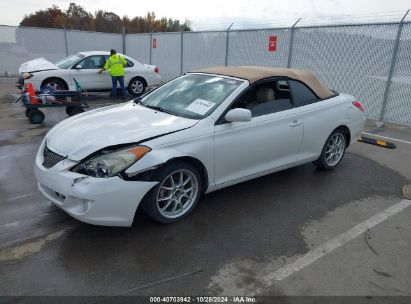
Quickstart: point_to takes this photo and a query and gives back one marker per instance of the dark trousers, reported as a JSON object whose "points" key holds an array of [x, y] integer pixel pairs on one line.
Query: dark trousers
{"points": [[114, 80]]}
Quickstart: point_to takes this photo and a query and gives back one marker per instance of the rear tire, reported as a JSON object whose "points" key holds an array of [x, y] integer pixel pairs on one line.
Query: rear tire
{"points": [[36, 116], [333, 150], [176, 195], [136, 86]]}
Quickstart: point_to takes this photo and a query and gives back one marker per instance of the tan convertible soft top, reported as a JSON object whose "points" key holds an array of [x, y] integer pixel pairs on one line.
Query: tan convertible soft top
{"points": [[256, 73]]}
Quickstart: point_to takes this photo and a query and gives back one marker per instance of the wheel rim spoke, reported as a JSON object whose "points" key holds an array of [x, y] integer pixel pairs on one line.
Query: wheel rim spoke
{"points": [[186, 181], [188, 190], [173, 211], [167, 205], [165, 198], [173, 184]]}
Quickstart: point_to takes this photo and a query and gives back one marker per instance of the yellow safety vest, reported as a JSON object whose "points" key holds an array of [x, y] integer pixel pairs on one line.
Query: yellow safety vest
{"points": [[115, 64]]}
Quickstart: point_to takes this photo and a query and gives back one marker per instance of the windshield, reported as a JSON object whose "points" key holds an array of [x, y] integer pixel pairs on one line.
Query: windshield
{"points": [[192, 96], [68, 62]]}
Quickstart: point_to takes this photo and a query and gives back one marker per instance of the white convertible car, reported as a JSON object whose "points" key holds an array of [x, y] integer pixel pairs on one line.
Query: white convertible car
{"points": [[84, 67], [200, 132]]}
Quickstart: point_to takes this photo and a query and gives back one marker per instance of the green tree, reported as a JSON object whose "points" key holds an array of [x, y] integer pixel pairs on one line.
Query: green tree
{"points": [[108, 22], [77, 18], [51, 17]]}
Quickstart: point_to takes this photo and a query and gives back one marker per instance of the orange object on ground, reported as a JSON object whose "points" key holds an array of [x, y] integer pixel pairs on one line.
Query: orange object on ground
{"points": [[31, 93]]}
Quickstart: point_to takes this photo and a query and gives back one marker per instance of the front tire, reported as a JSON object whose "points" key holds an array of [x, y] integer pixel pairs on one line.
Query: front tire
{"points": [[333, 150], [136, 86], [176, 194], [56, 83]]}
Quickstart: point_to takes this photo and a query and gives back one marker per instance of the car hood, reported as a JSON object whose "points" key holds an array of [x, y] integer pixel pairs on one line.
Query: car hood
{"points": [[79, 136], [39, 64]]}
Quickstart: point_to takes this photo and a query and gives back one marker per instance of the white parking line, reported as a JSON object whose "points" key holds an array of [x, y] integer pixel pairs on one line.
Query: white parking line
{"points": [[341, 239], [389, 138]]}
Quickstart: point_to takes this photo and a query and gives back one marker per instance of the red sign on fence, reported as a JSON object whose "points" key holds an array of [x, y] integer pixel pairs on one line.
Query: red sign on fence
{"points": [[272, 43], [154, 43]]}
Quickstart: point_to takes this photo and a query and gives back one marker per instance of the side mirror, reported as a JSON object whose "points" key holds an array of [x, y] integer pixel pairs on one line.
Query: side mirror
{"points": [[238, 115], [78, 67]]}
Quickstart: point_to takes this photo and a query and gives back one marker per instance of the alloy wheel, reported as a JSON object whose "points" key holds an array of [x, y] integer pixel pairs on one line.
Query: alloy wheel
{"points": [[335, 149], [177, 193], [137, 86], [55, 85]]}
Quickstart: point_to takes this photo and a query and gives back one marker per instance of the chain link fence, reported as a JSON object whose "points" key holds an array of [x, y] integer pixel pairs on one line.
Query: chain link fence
{"points": [[78, 41], [369, 61]]}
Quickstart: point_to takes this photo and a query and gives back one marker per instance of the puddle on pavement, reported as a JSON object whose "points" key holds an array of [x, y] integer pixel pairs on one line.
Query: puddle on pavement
{"points": [[29, 248]]}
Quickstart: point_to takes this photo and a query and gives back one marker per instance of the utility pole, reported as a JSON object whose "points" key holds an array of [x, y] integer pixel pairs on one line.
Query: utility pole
{"points": [[65, 40], [124, 39], [380, 122]]}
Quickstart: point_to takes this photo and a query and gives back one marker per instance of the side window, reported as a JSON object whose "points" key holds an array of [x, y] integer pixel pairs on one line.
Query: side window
{"points": [[266, 98], [129, 63], [302, 95], [92, 62]]}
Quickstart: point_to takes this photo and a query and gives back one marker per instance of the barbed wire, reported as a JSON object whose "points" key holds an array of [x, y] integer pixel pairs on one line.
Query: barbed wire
{"points": [[376, 17]]}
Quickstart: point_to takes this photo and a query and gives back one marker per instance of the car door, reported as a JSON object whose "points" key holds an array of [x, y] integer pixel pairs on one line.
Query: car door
{"points": [[86, 73], [270, 140]]}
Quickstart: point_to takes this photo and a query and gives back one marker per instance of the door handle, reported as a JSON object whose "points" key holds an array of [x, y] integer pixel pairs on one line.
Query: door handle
{"points": [[296, 123]]}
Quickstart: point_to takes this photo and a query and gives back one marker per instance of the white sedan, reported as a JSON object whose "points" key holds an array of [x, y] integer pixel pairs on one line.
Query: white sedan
{"points": [[84, 67], [203, 131]]}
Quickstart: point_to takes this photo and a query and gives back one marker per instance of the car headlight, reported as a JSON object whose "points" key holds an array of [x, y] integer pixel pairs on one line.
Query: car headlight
{"points": [[27, 75], [112, 163]]}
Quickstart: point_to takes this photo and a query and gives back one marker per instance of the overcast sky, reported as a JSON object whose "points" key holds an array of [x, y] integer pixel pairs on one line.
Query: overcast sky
{"points": [[204, 13]]}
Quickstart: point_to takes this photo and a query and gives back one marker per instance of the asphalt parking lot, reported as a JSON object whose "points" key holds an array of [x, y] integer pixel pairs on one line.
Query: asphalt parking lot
{"points": [[301, 231]]}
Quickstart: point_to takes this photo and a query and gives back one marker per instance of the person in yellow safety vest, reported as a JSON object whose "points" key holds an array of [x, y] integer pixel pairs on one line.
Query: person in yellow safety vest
{"points": [[115, 64]]}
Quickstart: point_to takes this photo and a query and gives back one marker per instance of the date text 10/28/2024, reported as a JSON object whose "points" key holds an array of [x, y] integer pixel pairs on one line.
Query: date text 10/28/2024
{"points": [[206, 299]]}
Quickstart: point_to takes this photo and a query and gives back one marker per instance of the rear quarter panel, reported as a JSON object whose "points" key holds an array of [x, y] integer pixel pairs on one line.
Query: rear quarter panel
{"points": [[321, 118], [142, 70]]}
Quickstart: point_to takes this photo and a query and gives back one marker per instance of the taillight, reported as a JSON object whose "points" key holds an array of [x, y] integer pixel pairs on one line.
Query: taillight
{"points": [[156, 70], [358, 105]]}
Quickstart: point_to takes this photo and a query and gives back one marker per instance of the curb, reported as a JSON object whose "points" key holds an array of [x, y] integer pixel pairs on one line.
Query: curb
{"points": [[377, 142]]}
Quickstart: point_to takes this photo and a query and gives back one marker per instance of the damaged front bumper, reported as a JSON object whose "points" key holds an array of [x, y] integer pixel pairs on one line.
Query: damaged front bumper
{"points": [[100, 201]]}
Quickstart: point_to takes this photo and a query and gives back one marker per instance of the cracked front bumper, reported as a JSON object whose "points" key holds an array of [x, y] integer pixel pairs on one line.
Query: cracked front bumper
{"points": [[99, 201]]}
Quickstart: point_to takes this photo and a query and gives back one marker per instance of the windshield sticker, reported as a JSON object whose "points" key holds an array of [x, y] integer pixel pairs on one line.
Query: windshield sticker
{"points": [[200, 106]]}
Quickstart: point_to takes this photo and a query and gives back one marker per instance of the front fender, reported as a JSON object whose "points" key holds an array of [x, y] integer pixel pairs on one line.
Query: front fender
{"points": [[202, 151]]}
